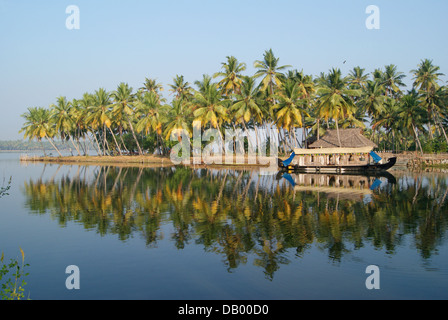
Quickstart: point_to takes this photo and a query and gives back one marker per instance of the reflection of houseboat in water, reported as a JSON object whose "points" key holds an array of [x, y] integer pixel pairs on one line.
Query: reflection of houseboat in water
{"points": [[343, 186], [349, 151]]}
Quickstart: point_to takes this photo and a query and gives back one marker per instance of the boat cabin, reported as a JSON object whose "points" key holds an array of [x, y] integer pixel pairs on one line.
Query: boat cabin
{"points": [[342, 151]]}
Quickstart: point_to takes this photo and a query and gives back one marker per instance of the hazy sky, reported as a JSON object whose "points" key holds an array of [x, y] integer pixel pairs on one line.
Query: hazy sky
{"points": [[126, 41]]}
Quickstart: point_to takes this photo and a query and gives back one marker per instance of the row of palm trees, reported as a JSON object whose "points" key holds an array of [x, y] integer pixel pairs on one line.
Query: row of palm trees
{"points": [[276, 98]]}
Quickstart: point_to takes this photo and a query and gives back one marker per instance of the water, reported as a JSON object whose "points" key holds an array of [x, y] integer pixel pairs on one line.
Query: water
{"points": [[181, 233]]}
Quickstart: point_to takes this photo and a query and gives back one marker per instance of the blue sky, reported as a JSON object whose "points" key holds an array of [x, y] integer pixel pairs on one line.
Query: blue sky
{"points": [[126, 41]]}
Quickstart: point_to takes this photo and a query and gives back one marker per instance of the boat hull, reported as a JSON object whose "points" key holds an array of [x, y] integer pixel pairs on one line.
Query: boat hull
{"points": [[339, 169]]}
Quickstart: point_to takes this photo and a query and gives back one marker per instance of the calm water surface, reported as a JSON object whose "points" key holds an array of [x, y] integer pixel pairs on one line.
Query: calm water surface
{"points": [[181, 233]]}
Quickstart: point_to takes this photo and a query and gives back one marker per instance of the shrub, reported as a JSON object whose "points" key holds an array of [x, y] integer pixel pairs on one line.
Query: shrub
{"points": [[13, 274]]}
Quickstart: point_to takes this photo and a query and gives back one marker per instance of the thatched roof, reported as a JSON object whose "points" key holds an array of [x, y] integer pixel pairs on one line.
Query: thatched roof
{"points": [[350, 138]]}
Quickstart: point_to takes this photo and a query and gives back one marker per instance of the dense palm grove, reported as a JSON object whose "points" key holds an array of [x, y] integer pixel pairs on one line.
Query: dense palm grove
{"points": [[277, 98]]}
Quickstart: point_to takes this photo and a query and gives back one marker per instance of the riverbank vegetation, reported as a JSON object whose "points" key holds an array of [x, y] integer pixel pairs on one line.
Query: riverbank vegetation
{"points": [[12, 277], [276, 102]]}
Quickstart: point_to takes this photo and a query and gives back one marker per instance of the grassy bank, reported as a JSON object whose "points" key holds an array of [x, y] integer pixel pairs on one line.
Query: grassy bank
{"points": [[149, 160]]}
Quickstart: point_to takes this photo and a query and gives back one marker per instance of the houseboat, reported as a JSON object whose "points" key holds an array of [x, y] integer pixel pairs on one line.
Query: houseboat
{"points": [[344, 151]]}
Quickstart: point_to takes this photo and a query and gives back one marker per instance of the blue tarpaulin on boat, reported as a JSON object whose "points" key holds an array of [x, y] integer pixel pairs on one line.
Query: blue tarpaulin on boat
{"points": [[375, 157], [288, 161]]}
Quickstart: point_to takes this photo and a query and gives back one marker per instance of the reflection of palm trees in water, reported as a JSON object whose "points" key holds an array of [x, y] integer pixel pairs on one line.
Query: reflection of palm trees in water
{"points": [[241, 215]]}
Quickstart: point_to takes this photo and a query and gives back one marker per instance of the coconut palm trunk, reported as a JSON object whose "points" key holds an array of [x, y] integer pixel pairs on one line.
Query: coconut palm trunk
{"points": [[135, 137], [74, 145], [54, 146], [120, 130], [248, 137], [43, 148], [417, 141], [100, 152], [115, 140], [337, 130], [104, 137]]}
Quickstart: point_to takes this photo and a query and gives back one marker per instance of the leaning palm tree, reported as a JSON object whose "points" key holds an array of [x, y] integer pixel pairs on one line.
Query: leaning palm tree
{"points": [[38, 125], [78, 113], [268, 68], [335, 98], [99, 113], [231, 76], [86, 103], [62, 117], [123, 107]]}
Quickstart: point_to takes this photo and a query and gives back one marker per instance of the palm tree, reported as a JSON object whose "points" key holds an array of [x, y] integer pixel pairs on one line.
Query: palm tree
{"points": [[231, 82], [178, 120], [181, 88], [335, 98], [387, 117], [246, 107], [210, 109], [90, 122], [151, 85], [149, 111], [307, 90], [99, 113], [412, 115], [123, 107], [61, 115], [290, 109], [426, 78], [357, 78], [372, 100], [38, 125], [268, 68], [78, 113], [393, 80], [204, 84]]}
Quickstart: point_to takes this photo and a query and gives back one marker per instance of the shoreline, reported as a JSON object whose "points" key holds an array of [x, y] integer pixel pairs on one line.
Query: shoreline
{"points": [[404, 160], [148, 160]]}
